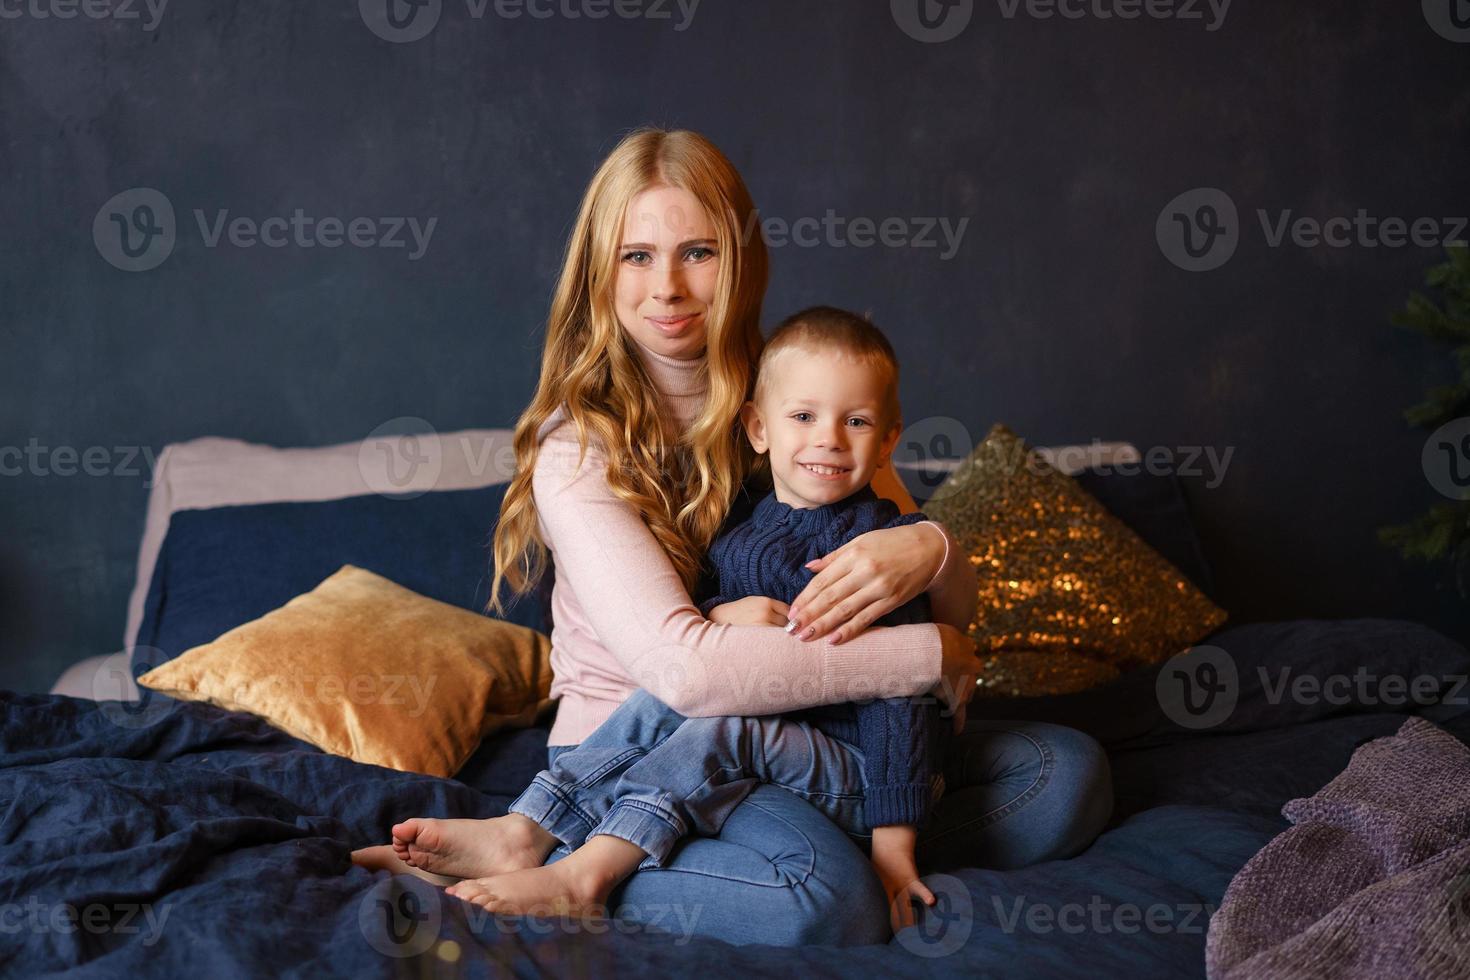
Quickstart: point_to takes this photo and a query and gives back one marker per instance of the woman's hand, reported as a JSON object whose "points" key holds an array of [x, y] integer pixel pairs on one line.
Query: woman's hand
{"points": [[756, 610], [871, 575], [958, 669]]}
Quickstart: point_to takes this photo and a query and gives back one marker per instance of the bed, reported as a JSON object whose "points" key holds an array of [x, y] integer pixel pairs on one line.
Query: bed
{"points": [[155, 837]]}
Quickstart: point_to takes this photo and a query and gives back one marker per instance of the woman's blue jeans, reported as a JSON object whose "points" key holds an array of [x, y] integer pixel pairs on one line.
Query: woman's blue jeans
{"points": [[1017, 793]]}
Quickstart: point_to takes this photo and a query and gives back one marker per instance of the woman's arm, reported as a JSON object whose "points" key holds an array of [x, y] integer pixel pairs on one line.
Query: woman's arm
{"points": [[953, 594], [879, 571], [643, 615]]}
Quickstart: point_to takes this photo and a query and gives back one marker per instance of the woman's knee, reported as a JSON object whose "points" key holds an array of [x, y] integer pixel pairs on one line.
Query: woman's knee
{"points": [[778, 873], [1080, 787]]}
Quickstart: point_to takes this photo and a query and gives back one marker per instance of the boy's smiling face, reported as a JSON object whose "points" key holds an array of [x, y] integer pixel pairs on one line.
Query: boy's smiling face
{"points": [[824, 418]]}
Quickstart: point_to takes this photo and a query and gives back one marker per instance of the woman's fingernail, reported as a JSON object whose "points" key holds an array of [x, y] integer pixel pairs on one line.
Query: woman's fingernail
{"points": [[790, 625], [834, 639], [807, 633]]}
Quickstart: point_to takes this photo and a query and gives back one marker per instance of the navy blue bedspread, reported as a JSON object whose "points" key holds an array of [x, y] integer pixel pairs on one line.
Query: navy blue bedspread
{"points": [[197, 842]]}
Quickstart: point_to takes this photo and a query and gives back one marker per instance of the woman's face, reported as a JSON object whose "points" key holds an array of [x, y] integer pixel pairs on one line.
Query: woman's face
{"points": [[667, 269]]}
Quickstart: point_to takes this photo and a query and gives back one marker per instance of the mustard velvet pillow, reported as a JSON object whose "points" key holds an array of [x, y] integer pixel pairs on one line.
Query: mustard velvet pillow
{"points": [[363, 668], [1070, 597]]}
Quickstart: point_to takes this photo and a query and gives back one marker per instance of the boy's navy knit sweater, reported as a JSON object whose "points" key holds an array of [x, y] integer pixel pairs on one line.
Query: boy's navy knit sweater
{"points": [[764, 556]]}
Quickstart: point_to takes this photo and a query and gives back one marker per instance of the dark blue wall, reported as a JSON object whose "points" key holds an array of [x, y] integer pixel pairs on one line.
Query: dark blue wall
{"points": [[1059, 140]]}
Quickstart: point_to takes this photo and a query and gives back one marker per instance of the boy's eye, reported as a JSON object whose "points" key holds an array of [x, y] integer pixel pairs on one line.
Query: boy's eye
{"points": [[857, 422], [802, 416]]}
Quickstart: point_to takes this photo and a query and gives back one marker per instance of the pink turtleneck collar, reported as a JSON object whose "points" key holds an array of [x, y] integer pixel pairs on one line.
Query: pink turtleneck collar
{"points": [[682, 383]]}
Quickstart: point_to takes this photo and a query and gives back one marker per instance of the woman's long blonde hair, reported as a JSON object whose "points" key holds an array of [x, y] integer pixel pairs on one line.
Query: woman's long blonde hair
{"points": [[681, 484]]}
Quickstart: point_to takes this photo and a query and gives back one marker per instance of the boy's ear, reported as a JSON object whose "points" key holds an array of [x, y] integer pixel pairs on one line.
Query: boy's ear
{"points": [[890, 442], [755, 426]]}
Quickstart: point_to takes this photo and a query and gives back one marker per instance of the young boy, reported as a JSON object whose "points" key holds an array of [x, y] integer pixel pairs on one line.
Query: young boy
{"points": [[826, 413]]}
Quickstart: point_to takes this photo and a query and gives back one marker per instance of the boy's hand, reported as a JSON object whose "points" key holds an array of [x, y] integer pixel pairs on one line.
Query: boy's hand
{"points": [[893, 859], [756, 610]]}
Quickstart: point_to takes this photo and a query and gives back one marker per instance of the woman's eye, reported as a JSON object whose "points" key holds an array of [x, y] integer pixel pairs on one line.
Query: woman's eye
{"points": [[699, 254], [637, 258]]}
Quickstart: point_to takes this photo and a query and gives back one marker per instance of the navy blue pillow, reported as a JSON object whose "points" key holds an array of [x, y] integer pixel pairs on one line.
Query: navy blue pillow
{"points": [[225, 566]]}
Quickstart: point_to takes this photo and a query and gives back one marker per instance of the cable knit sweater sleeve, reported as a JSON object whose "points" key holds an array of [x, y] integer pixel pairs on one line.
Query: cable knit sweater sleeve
{"points": [[643, 616], [899, 736]]}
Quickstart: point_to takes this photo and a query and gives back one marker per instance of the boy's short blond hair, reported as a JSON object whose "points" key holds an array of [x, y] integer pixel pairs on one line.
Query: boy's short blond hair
{"points": [[827, 328]]}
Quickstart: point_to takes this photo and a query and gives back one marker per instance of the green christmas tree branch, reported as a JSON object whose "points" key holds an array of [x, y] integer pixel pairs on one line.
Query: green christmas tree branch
{"points": [[1444, 532]]}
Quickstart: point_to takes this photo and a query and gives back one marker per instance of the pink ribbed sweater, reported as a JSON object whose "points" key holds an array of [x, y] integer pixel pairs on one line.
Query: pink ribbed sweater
{"points": [[623, 619]]}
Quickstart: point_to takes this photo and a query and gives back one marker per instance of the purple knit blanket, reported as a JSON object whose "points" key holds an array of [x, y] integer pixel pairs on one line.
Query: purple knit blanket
{"points": [[1372, 881]]}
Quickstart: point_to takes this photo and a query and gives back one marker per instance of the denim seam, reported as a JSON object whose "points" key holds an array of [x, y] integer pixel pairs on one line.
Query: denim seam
{"points": [[645, 834], [1048, 763], [650, 809], [793, 881], [597, 774], [569, 803]]}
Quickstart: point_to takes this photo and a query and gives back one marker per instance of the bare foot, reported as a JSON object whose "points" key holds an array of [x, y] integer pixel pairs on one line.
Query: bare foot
{"points": [[382, 858], [552, 889], [472, 848], [579, 884]]}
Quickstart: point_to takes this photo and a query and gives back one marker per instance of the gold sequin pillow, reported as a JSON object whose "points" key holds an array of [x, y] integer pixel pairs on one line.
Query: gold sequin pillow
{"points": [[362, 667], [1069, 595]]}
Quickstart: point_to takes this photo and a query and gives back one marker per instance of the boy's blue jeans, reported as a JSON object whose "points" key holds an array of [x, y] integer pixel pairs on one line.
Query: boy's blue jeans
{"points": [[650, 776], [780, 873]]}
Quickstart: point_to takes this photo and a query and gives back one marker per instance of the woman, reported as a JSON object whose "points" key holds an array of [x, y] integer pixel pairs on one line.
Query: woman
{"points": [[628, 460]]}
